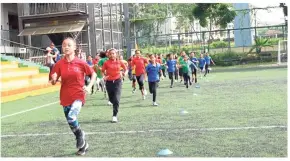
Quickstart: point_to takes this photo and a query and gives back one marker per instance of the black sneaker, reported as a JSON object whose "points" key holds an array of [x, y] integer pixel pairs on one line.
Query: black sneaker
{"points": [[83, 150], [80, 137], [170, 86], [187, 86]]}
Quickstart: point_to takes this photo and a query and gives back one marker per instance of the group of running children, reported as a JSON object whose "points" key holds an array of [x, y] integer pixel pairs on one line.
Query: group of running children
{"points": [[154, 67], [78, 78]]}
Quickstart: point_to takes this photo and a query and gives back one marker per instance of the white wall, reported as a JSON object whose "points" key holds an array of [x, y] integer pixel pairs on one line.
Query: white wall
{"points": [[5, 9]]}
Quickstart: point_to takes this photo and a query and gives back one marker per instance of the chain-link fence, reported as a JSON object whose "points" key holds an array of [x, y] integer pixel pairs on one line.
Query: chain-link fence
{"points": [[242, 44]]}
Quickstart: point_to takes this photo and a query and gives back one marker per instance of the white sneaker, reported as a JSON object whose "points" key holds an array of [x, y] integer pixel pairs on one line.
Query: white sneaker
{"points": [[144, 97], [155, 104], [175, 81], [109, 103], [145, 92], [114, 120]]}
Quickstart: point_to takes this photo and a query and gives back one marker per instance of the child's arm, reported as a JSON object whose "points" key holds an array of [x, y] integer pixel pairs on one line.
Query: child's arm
{"points": [[212, 61]]}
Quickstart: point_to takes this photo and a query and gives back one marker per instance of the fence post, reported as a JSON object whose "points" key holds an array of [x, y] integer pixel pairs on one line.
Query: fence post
{"points": [[179, 41], [127, 29], [203, 41], [229, 40]]}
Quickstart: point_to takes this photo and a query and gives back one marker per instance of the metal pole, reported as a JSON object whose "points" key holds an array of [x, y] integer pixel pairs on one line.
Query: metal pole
{"points": [[127, 29], [229, 40], [279, 52], [135, 41], [111, 26], [103, 32], [179, 41], [91, 31]]}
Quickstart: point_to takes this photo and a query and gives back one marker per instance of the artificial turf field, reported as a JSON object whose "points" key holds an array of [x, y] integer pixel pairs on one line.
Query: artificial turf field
{"points": [[232, 114]]}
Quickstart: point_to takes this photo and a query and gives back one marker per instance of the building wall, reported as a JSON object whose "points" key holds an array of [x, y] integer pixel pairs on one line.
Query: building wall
{"points": [[6, 8], [242, 20]]}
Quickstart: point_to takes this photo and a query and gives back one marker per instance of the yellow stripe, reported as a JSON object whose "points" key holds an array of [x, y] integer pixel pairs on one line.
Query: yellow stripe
{"points": [[30, 93]]}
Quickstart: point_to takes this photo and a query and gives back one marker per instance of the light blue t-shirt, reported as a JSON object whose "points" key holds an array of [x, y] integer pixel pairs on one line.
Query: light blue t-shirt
{"points": [[207, 59], [201, 62]]}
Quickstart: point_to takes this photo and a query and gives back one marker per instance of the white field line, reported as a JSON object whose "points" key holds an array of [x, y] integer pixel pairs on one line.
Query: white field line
{"points": [[35, 108], [153, 130]]}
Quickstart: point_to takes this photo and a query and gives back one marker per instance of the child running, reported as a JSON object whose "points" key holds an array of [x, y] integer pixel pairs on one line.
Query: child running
{"points": [[104, 58], [171, 67], [153, 69], [186, 70], [163, 65], [180, 61], [208, 60], [201, 64], [176, 69], [139, 64], [133, 74], [194, 60], [113, 78], [72, 92]]}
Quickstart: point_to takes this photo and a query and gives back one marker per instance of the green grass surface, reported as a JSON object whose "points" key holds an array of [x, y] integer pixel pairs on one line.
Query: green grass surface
{"points": [[225, 100]]}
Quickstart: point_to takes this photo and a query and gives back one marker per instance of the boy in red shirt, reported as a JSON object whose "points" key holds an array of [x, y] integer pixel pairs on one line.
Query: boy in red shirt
{"points": [[113, 77], [139, 64], [72, 92]]}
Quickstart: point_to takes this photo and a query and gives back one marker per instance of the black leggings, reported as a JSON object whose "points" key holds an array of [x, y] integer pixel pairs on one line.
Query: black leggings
{"points": [[186, 78], [164, 72], [170, 74], [194, 73], [206, 69], [114, 92], [153, 89], [140, 80], [176, 74]]}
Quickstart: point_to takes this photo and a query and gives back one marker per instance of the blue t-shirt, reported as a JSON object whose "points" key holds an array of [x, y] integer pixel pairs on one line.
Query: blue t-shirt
{"points": [[194, 59], [171, 65], [56, 51], [207, 59], [153, 72], [90, 63], [201, 62]]}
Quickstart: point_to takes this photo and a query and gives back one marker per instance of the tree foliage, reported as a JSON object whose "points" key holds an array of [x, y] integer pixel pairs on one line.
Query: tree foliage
{"points": [[220, 14]]}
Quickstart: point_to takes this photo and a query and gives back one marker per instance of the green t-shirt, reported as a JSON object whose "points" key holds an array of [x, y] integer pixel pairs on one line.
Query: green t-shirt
{"points": [[102, 61], [99, 72], [100, 64], [163, 62], [184, 66]]}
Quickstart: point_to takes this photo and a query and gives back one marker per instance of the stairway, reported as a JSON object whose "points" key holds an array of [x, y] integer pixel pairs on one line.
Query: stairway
{"points": [[20, 79]]}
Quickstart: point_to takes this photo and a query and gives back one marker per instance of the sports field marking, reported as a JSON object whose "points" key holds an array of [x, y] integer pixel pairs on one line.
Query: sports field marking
{"points": [[35, 108], [154, 130]]}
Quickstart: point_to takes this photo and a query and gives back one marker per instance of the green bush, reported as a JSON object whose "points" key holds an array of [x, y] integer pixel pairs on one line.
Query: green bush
{"points": [[228, 58], [219, 44]]}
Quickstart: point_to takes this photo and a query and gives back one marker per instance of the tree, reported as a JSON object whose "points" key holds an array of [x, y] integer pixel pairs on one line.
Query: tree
{"points": [[259, 44], [218, 14]]}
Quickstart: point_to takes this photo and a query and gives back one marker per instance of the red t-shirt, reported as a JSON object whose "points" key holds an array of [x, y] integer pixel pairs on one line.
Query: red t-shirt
{"points": [[159, 61], [72, 79], [95, 61], [139, 64], [112, 68]]}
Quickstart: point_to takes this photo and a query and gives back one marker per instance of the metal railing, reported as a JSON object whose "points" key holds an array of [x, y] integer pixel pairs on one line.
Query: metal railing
{"points": [[48, 8], [22, 51], [11, 35]]}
